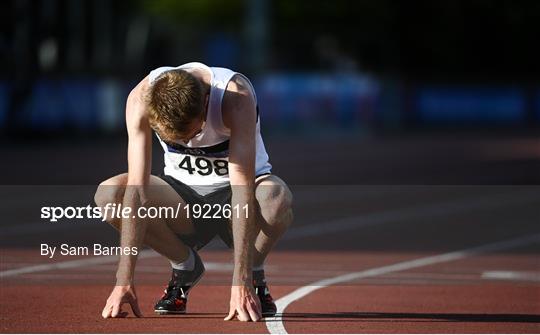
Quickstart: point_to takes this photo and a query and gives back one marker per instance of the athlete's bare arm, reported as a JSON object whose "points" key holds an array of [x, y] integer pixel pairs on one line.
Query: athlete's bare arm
{"points": [[139, 167], [239, 115], [133, 229]]}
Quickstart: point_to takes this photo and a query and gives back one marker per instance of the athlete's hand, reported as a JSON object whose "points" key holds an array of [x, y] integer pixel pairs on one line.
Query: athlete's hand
{"points": [[245, 304], [119, 296]]}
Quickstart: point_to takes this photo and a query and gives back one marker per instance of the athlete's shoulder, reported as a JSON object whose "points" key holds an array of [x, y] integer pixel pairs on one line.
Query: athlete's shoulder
{"points": [[239, 85], [137, 104], [238, 101]]}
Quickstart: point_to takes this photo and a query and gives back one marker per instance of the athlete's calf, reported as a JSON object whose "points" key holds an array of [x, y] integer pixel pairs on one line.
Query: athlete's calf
{"points": [[274, 200]]}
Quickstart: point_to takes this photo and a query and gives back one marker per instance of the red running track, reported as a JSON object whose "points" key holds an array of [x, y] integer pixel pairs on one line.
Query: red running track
{"points": [[443, 298]]}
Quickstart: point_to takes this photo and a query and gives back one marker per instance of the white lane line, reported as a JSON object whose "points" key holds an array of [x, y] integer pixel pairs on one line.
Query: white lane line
{"points": [[512, 275], [275, 324], [70, 264], [411, 213], [35, 228], [104, 260]]}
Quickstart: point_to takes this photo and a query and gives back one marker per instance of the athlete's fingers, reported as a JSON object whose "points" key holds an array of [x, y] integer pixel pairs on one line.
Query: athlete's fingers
{"points": [[106, 310], [254, 310], [243, 315], [257, 303], [122, 315], [232, 313], [135, 307], [116, 309], [253, 313]]}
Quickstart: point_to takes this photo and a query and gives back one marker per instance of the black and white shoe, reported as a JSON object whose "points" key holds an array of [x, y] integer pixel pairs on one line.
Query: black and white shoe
{"points": [[268, 307], [174, 299]]}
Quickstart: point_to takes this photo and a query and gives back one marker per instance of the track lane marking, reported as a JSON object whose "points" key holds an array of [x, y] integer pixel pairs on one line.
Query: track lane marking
{"points": [[275, 324], [411, 213], [101, 260], [512, 275], [70, 264]]}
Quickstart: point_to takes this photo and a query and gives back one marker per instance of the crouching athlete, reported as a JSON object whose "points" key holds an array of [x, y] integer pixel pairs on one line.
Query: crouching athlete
{"points": [[207, 121]]}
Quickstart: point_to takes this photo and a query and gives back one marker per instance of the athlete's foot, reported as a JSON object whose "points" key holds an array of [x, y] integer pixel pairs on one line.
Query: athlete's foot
{"points": [[268, 307], [174, 300]]}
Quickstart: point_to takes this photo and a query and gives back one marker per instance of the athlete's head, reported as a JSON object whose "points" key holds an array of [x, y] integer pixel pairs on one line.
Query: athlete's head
{"points": [[177, 105]]}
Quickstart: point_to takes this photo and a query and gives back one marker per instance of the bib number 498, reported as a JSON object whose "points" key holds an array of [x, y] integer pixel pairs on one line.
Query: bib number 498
{"points": [[204, 167]]}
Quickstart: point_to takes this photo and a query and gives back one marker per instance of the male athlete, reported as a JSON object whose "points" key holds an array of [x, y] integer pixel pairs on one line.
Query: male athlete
{"points": [[207, 121]]}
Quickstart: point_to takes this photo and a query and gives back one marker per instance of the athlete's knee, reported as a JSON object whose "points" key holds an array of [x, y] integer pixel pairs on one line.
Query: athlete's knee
{"points": [[275, 201], [286, 207], [108, 193]]}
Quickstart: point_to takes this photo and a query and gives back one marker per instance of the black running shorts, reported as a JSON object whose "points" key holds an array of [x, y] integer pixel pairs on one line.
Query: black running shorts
{"points": [[205, 229]]}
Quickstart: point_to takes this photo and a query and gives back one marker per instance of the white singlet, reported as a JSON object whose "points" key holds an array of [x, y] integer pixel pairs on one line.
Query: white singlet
{"points": [[202, 163]]}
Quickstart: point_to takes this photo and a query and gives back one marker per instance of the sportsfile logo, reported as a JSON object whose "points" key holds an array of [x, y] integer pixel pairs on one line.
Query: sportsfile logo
{"points": [[119, 211], [109, 211]]}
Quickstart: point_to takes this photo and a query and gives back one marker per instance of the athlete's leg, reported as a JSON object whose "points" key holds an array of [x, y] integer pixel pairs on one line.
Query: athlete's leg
{"points": [[161, 233], [275, 214]]}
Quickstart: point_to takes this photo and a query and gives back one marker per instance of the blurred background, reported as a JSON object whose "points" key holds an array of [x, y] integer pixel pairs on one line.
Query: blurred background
{"points": [[365, 92]]}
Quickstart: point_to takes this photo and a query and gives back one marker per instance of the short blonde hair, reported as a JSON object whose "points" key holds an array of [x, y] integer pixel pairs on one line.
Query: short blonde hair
{"points": [[176, 100]]}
